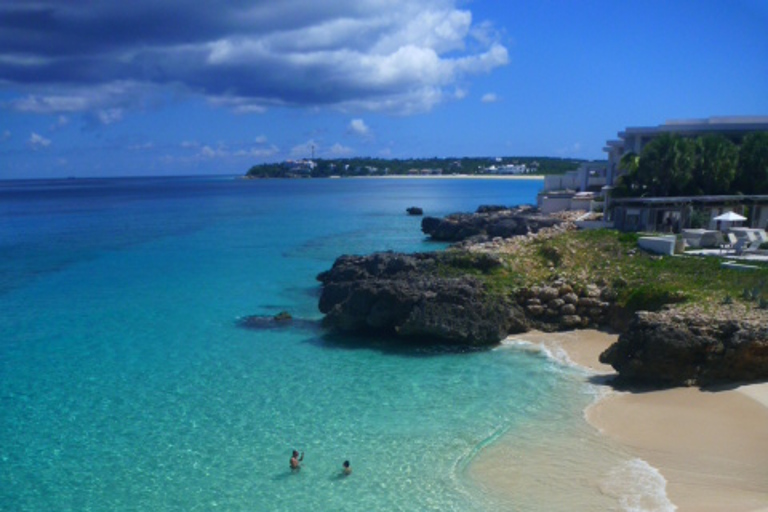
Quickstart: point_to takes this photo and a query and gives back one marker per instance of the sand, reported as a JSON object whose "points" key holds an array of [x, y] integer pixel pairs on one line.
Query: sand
{"points": [[711, 446]]}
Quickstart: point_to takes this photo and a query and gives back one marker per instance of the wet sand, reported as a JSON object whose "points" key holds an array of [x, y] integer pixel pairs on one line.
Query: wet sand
{"points": [[710, 445]]}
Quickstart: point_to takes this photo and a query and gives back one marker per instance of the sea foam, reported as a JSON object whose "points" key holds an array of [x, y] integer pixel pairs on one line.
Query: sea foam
{"points": [[639, 487]]}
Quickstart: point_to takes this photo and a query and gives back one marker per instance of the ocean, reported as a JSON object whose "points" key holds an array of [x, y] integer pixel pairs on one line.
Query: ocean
{"points": [[128, 383]]}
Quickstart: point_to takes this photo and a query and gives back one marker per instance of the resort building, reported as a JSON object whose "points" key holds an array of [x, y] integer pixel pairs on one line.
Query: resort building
{"points": [[588, 188], [574, 190], [673, 214], [634, 139]]}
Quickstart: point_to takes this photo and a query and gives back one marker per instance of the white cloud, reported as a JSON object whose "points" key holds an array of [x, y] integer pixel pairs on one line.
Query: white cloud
{"points": [[38, 141], [258, 152], [109, 116], [489, 97], [339, 150], [305, 150], [396, 56], [358, 127], [260, 139], [61, 122], [208, 152], [189, 144]]}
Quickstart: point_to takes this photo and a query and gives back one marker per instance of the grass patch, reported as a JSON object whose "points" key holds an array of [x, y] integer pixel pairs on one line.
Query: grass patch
{"points": [[611, 258]]}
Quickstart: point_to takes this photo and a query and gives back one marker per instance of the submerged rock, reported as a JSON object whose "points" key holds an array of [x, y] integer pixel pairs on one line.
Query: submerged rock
{"points": [[280, 320]]}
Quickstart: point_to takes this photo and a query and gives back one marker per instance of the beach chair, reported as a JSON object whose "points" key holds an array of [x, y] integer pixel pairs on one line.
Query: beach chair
{"points": [[745, 247]]}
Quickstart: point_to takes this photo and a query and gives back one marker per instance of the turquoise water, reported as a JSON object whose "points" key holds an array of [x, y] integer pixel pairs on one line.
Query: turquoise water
{"points": [[126, 383]]}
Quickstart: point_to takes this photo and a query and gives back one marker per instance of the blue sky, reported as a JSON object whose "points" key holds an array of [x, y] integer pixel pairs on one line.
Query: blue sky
{"points": [[161, 87]]}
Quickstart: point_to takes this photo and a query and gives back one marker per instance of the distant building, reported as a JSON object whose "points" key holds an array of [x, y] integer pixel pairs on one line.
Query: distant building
{"points": [[574, 190], [594, 180], [300, 167], [507, 169]]}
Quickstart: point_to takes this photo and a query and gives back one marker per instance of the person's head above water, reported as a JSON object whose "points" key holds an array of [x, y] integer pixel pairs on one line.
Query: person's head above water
{"points": [[346, 463], [295, 453]]}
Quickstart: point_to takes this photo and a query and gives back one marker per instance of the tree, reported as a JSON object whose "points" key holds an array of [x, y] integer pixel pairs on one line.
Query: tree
{"points": [[666, 166], [752, 173], [715, 165]]}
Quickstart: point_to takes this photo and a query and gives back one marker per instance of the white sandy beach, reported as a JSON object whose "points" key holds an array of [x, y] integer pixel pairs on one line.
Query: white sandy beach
{"points": [[710, 446]]}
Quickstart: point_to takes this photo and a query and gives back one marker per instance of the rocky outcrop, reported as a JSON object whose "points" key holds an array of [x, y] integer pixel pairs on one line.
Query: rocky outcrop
{"points": [[414, 210], [560, 306], [418, 297], [672, 350], [487, 223]]}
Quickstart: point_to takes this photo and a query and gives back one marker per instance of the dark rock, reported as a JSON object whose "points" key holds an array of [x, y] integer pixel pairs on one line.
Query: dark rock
{"points": [[491, 208], [489, 222], [283, 316], [414, 210], [679, 351], [570, 321], [405, 296], [547, 293], [281, 320]]}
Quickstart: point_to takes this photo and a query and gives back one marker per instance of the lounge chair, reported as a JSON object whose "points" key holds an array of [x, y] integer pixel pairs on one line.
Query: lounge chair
{"points": [[744, 246]]}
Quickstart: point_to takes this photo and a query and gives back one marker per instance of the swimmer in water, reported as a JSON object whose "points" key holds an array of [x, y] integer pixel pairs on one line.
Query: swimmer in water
{"points": [[296, 460]]}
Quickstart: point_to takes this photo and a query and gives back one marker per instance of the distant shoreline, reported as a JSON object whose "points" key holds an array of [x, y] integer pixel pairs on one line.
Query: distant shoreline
{"points": [[523, 177], [531, 177]]}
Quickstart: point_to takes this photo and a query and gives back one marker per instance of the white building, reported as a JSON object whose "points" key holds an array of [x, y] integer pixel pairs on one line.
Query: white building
{"points": [[508, 169]]}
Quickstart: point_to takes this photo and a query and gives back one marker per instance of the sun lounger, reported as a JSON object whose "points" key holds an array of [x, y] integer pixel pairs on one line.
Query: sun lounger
{"points": [[743, 246]]}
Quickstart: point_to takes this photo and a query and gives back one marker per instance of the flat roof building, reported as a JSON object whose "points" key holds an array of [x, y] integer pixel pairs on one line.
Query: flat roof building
{"points": [[634, 139]]}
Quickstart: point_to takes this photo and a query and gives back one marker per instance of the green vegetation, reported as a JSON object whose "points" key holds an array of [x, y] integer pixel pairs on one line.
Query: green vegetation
{"points": [[672, 165], [380, 166], [610, 258]]}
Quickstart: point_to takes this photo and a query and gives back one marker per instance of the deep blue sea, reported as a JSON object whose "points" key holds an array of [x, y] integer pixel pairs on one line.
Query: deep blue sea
{"points": [[126, 382]]}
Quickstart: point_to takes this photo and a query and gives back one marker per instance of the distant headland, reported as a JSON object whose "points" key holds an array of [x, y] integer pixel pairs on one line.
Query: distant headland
{"points": [[428, 167]]}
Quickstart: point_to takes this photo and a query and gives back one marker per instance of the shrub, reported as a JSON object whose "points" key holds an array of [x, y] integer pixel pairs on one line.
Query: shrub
{"points": [[652, 297]]}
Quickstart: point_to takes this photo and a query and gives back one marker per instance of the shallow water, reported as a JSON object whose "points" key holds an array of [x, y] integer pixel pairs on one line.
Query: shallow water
{"points": [[127, 384]]}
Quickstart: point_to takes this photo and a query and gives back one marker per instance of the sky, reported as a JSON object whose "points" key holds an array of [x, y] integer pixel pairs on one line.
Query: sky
{"points": [[182, 87]]}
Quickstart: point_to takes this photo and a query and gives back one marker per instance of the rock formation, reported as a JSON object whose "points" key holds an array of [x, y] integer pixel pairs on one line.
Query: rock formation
{"points": [[487, 223], [672, 350], [410, 296]]}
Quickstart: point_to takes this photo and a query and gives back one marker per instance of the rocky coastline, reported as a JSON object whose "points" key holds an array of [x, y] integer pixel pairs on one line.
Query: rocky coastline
{"points": [[449, 298]]}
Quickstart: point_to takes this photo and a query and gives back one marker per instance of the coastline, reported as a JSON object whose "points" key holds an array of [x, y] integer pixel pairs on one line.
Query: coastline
{"points": [[530, 177], [711, 446]]}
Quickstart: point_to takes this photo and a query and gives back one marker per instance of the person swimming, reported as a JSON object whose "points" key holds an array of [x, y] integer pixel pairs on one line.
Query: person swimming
{"points": [[296, 460], [346, 470]]}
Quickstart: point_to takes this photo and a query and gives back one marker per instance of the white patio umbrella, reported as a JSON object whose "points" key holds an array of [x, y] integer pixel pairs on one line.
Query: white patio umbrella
{"points": [[730, 217]]}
